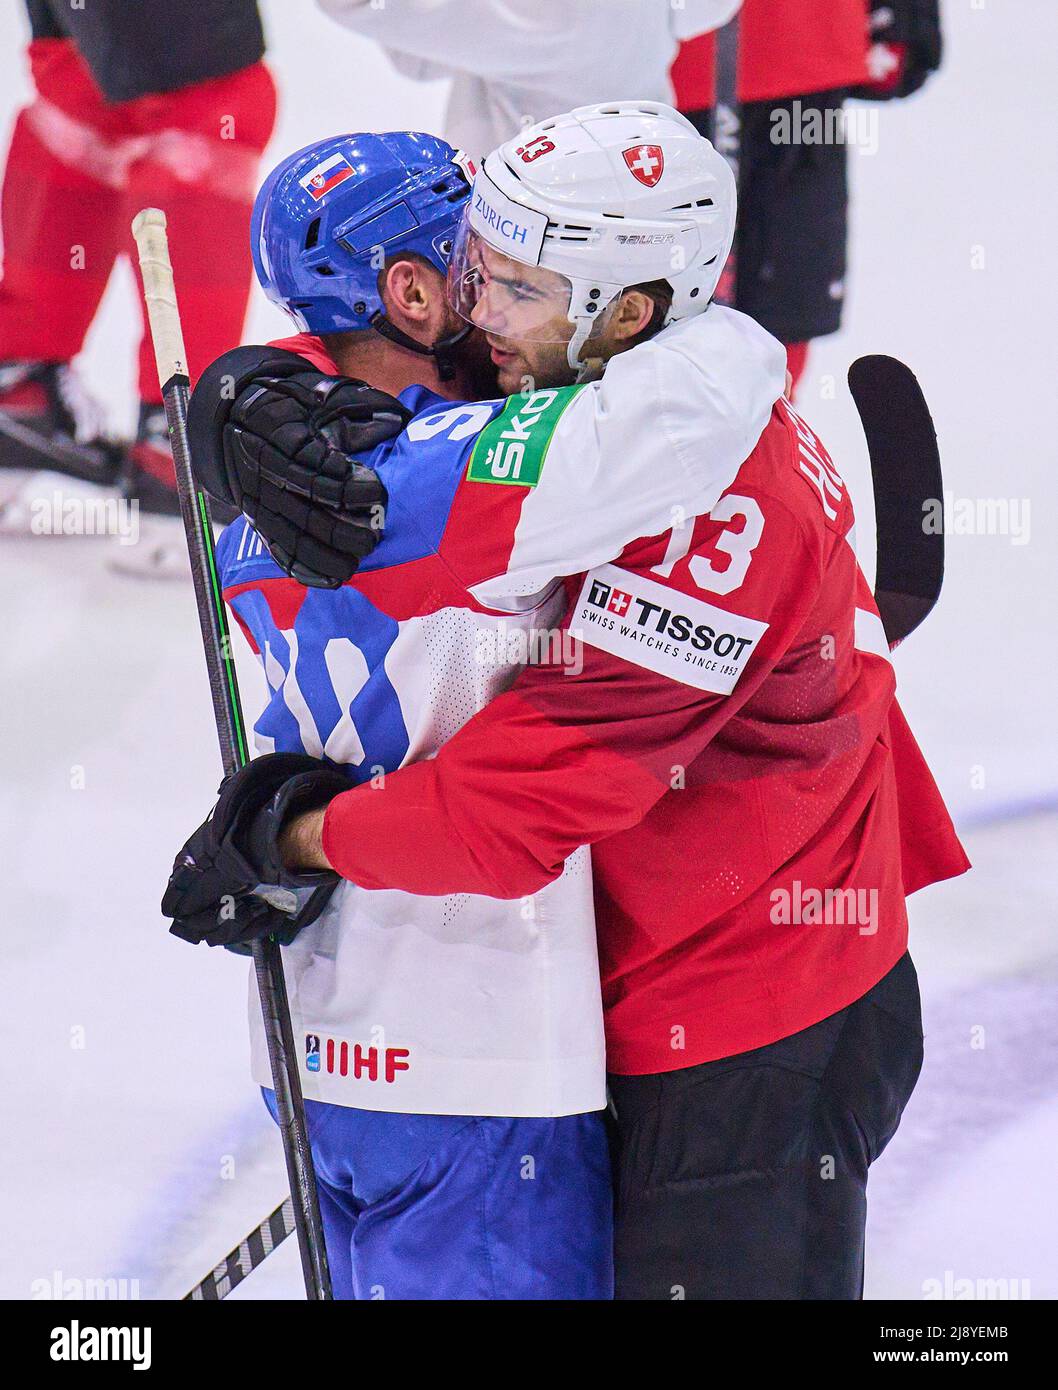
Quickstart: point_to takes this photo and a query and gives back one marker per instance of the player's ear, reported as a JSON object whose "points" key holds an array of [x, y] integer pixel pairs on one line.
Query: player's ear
{"points": [[632, 313], [409, 292]]}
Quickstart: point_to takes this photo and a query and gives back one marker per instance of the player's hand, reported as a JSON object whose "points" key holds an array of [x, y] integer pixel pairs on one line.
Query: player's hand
{"points": [[289, 444], [904, 48], [229, 884], [277, 439]]}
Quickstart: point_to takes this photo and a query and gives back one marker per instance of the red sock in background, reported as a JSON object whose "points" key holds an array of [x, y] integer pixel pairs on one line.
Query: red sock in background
{"points": [[796, 358]]}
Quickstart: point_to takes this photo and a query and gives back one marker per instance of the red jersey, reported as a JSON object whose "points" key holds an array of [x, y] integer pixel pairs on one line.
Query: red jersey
{"points": [[727, 740], [787, 48]]}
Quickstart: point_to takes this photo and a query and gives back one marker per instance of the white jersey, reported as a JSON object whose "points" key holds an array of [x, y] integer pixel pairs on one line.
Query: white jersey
{"points": [[472, 1004], [516, 62]]}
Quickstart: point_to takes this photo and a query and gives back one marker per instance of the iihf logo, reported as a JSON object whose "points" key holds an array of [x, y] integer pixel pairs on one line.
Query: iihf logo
{"points": [[613, 600], [337, 1057]]}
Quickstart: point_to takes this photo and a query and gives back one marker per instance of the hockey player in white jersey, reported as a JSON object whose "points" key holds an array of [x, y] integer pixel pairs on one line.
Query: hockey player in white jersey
{"points": [[510, 62], [452, 1048]]}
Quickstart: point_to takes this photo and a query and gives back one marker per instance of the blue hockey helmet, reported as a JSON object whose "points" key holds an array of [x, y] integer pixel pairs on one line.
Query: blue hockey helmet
{"points": [[325, 213]]}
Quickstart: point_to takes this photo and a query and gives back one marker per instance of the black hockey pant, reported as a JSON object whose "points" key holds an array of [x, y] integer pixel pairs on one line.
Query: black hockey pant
{"points": [[746, 1178]]}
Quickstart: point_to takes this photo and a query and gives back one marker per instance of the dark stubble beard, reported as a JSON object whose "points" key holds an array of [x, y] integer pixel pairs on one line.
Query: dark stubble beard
{"points": [[477, 372]]}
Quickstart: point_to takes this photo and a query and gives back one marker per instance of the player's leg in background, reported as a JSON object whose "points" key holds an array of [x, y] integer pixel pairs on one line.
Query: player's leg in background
{"points": [[791, 273], [62, 211], [202, 147], [746, 1178], [793, 206], [796, 361]]}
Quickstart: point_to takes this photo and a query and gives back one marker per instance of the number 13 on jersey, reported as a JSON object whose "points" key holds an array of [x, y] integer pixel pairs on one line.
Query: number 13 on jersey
{"points": [[737, 541]]}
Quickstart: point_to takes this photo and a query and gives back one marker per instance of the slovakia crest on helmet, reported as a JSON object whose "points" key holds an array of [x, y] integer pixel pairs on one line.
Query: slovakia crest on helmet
{"points": [[319, 181], [646, 163]]}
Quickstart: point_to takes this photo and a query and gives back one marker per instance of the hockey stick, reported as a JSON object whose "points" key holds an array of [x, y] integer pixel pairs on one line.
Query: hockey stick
{"points": [[246, 1256], [727, 137], [908, 491], [159, 293]]}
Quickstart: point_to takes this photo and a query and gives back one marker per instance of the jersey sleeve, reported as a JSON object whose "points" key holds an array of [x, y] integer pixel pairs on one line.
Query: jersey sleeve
{"points": [[564, 479], [652, 664], [436, 32], [518, 40]]}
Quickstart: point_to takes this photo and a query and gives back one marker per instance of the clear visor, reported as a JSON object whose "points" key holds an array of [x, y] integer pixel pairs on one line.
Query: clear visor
{"points": [[506, 297]]}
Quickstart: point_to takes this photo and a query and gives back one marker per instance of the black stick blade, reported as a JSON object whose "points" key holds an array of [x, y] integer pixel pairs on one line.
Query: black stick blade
{"points": [[908, 491]]}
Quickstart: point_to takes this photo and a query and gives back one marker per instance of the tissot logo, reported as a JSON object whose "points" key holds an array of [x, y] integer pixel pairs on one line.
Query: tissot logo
{"points": [[613, 600], [670, 622], [664, 629]]}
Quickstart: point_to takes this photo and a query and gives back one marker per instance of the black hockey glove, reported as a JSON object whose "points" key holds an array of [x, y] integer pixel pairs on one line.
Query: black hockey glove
{"points": [[905, 47], [274, 437], [228, 883]]}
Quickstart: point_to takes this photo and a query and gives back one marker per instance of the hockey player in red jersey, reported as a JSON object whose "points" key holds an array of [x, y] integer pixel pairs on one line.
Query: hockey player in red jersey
{"points": [[123, 115], [494, 1008], [794, 60], [758, 810]]}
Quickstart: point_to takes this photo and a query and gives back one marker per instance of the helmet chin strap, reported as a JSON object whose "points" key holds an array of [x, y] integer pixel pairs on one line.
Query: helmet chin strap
{"points": [[443, 351], [584, 325], [581, 332]]}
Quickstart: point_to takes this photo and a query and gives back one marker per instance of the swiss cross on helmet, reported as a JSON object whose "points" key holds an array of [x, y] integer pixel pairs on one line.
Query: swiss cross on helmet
{"points": [[646, 163], [596, 200], [328, 216]]}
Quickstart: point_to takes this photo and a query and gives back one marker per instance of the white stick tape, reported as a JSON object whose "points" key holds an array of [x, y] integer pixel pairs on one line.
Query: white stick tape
{"points": [[148, 229]]}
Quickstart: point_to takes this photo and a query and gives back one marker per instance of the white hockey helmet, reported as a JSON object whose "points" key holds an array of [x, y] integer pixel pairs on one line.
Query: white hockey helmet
{"points": [[603, 197]]}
